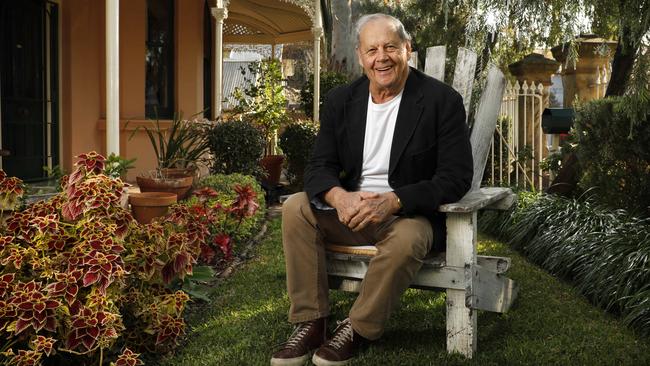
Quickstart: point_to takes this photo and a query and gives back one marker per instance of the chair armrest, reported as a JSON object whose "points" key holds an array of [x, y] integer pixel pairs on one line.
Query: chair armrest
{"points": [[476, 200]]}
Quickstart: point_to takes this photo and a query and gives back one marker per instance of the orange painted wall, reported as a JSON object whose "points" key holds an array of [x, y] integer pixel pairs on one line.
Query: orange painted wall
{"points": [[80, 79], [83, 76], [189, 57]]}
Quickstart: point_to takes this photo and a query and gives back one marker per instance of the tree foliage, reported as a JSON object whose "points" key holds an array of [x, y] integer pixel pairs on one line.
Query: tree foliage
{"points": [[613, 153], [502, 31]]}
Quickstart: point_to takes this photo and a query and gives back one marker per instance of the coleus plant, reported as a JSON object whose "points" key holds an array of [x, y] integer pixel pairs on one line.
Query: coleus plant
{"points": [[214, 223], [79, 276], [11, 191]]}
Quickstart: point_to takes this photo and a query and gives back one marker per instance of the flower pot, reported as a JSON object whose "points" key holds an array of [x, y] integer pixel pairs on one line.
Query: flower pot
{"points": [[178, 172], [180, 186], [148, 205], [272, 165]]}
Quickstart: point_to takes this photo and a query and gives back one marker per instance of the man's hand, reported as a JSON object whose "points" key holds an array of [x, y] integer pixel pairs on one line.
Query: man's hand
{"points": [[357, 210], [374, 210], [347, 204]]}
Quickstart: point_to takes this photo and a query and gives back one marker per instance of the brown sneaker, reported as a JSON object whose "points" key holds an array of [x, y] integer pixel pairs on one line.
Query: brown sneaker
{"points": [[341, 348], [305, 338]]}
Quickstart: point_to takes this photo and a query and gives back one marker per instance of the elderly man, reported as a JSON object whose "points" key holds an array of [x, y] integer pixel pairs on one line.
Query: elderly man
{"points": [[393, 146]]}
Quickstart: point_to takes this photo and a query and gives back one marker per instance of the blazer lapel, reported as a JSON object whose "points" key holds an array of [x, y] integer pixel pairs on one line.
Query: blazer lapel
{"points": [[355, 114], [408, 117]]}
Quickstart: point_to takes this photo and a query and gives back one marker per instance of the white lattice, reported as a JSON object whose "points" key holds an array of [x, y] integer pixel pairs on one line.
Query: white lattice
{"points": [[238, 30]]}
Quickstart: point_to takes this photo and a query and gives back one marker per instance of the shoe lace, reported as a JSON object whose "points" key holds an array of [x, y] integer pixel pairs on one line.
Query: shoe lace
{"points": [[343, 333], [298, 334]]}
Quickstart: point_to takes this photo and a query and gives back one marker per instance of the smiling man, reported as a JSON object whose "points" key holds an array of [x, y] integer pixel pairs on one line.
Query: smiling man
{"points": [[392, 147]]}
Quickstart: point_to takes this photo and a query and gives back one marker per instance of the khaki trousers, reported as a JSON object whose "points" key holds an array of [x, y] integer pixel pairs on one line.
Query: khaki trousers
{"points": [[402, 243]]}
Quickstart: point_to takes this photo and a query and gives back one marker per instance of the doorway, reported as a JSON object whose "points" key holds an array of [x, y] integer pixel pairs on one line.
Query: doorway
{"points": [[29, 87]]}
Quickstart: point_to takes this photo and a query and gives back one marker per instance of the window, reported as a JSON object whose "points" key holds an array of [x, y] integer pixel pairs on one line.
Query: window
{"points": [[159, 60]]}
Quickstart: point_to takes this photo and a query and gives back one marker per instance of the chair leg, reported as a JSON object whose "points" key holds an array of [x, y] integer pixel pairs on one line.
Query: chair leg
{"points": [[461, 252]]}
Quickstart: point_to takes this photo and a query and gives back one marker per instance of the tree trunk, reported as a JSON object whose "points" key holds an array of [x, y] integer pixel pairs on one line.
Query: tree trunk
{"points": [[343, 56], [567, 178], [622, 64]]}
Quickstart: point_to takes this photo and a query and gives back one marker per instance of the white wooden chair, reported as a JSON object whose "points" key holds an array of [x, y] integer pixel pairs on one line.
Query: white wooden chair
{"points": [[472, 282]]}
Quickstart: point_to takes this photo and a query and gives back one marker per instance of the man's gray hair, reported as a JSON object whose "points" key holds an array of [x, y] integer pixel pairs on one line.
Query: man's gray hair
{"points": [[399, 27]]}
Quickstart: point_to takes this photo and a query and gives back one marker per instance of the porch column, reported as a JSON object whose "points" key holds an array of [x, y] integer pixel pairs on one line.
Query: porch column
{"points": [[112, 77], [219, 13], [317, 31]]}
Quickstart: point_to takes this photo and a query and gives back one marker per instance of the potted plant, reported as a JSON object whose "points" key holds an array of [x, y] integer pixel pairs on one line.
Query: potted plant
{"points": [[117, 166], [178, 149], [297, 141], [263, 101]]}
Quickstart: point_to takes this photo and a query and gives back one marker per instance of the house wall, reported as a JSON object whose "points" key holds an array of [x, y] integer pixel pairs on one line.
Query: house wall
{"points": [[81, 76], [83, 81], [189, 57]]}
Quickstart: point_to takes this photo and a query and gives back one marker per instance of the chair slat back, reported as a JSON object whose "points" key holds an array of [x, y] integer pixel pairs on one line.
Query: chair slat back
{"points": [[487, 108], [464, 75], [434, 65], [413, 61]]}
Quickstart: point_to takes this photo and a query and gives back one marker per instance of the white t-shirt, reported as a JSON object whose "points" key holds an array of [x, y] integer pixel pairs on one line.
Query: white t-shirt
{"points": [[380, 125]]}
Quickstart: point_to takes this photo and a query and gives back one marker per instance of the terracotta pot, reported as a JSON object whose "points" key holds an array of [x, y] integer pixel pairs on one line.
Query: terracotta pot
{"points": [[181, 186], [178, 172], [148, 205], [272, 165]]}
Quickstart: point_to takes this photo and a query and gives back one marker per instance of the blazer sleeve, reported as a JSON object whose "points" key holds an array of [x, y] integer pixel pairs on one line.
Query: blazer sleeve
{"points": [[454, 165], [322, 171]]}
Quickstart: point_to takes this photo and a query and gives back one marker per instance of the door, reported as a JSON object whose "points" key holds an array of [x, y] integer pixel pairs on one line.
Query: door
{"points": [[28, 87]]}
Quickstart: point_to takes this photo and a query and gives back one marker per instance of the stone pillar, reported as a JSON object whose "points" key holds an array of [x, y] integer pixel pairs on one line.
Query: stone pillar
{"points": [[585, 77], [219, 14]]}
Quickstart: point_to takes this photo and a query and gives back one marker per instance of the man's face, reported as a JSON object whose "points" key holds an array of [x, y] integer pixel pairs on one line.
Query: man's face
{"points": [[383, 56]]}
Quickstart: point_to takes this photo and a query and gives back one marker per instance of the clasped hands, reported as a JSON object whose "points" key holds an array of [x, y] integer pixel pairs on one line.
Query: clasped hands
{"points": [[359, 209]]}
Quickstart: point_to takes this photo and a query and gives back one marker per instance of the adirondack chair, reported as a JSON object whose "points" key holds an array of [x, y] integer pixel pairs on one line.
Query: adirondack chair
{"points": [[472, 282]]}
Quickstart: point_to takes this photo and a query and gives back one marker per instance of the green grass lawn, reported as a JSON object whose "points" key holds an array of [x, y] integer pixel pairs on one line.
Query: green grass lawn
{"points": [[550, 324]]}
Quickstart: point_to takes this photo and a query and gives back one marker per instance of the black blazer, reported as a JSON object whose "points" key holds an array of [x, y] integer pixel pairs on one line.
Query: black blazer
{"points": [[430, 158]]}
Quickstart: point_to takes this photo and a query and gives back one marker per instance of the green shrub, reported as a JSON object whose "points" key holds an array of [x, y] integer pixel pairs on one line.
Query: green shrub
{"points": [[296, 141], [225, 186], [606, 253], [237, 147], [328, 80], [614, 152]]}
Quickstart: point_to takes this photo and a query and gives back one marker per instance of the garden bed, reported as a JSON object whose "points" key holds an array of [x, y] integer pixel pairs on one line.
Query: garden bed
{"points": [[81, 282], [605, 253]]}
